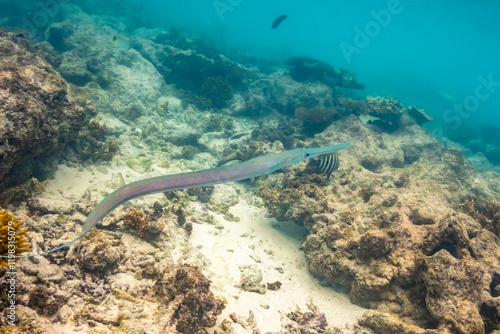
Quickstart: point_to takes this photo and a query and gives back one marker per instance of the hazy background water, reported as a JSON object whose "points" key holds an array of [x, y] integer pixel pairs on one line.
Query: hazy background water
{"points": [[426, 47], [436, 55]]}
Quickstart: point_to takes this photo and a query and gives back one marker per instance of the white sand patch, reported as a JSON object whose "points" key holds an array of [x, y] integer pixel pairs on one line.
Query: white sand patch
{"points": [[256, 240], [275, 245]]}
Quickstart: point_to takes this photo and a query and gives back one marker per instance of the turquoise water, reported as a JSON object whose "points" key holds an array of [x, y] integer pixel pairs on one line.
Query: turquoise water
{"points": [[440, 56], [419, 50]]}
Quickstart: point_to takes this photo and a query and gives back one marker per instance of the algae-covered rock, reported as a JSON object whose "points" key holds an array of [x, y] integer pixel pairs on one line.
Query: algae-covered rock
{"points": [[305, 69], [251, 279], [453, 292], [140, 164], [36, 115], [387, 112], [100, 252], [392, 237], [187, 299]]}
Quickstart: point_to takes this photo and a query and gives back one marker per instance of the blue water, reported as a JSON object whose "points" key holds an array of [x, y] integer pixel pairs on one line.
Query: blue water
{"points": [[423, 48], [441, 56]]}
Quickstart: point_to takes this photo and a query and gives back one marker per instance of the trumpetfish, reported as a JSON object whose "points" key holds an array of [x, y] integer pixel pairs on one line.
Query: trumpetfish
{"points": [[229, 173]]}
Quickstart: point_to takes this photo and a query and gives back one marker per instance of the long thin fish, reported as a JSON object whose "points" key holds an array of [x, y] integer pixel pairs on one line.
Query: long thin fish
{"points": [[278, 21], [235, 172]]}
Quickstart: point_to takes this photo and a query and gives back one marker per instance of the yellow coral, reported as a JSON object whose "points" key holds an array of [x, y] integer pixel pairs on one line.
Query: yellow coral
{"points": [[11, 233]]}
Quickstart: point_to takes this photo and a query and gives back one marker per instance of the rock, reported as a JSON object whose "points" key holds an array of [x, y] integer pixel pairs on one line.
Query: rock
{"points": [[383, 323], [45, 205], [100, 252], [140, 164], [251, 278], [374, 244], [36, 115], [453, 293], [305, 69], [184, 291], [419, 115], [387, 112]]}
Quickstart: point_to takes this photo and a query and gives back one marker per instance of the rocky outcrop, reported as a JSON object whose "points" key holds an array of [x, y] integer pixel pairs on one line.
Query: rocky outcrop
{"points": [[394, 236], [190, 305], [38, 113]]}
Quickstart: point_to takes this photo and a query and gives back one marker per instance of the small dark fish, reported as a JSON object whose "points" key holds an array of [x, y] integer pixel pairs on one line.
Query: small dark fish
{"points": [[278, 21], [329, 164]]}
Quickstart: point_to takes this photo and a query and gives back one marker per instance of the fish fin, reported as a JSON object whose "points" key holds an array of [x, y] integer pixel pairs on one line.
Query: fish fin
{"points": [[121, 182]]}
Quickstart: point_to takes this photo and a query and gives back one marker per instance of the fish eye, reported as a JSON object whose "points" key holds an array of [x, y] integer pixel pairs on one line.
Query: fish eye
{"points": [[307, 155]]}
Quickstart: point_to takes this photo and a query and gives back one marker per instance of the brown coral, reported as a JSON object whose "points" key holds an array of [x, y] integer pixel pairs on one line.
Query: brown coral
{"points": [[100, 252], [488, 217], [315, 115], [218, 90], [13, 238], [186, 294], [136, 221]]}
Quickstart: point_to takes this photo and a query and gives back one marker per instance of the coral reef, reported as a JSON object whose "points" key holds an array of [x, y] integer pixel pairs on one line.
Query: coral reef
{"points": [[251, 279], [409, 262], [349, 106], [137, 221], [419, 115], [189, 69], [100, 252], [386, 227], [305, 69], [22, 192], [189, 152], [387, 111], [13, 238], [483, 139], [36, 115], [91, 143], [187, 299], [203, 194], [217, 90], [311, 321], [316, 119]]}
